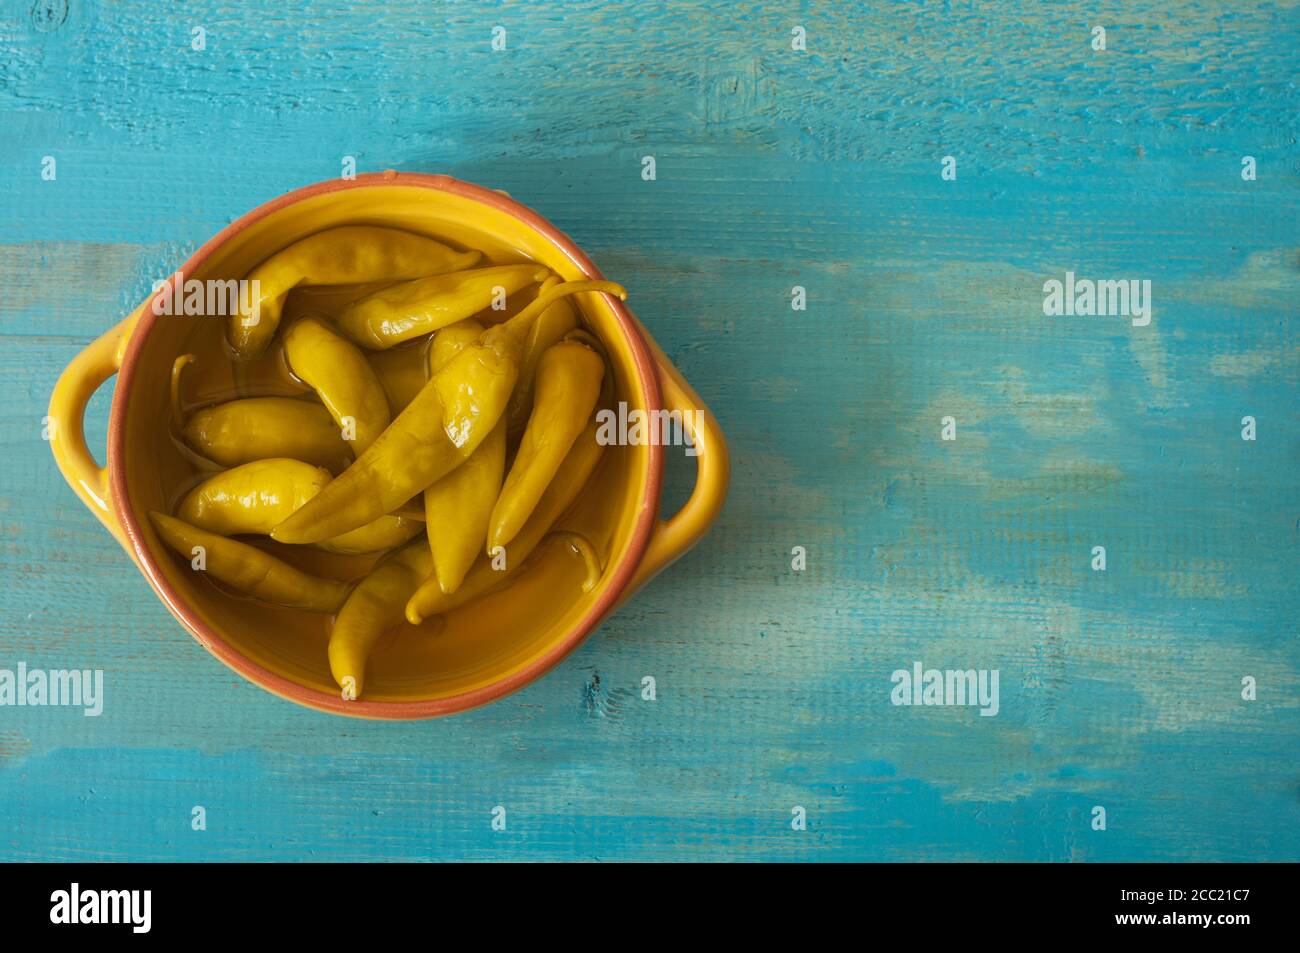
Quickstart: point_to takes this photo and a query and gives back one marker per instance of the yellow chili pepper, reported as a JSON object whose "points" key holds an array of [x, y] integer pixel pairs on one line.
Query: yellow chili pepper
{"points": [[572, 476], [439, 429], [258, 496], [343, 379], [457, 507], [376, 536], [373, 608], [252, 498], [249, 569], [551, 325], [402, 371], [569, 375], [256, 428], [350, 254], [415, 308]]}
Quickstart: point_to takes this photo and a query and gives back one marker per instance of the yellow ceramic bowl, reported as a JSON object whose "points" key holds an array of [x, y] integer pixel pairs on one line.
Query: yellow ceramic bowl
{"points": [[484, 650]]}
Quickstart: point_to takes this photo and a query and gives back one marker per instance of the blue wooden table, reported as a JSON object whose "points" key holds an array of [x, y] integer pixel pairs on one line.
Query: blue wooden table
{"points": [[794, 145]]}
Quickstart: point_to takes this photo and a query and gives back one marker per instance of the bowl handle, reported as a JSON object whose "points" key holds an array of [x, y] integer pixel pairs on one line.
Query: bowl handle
{"points": [[672, 537], [76, 385]]}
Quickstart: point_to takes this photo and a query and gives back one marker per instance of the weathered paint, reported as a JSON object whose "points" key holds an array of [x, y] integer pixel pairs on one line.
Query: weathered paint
{"points": [[775, 168]]}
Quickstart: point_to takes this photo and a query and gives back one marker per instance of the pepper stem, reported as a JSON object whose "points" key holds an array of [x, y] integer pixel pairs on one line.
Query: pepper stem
{"points": [[178, 415], [562, 290]]}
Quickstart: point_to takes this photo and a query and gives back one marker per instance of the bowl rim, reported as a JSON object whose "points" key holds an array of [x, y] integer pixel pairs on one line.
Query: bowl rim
{"points": [[286, 688]]}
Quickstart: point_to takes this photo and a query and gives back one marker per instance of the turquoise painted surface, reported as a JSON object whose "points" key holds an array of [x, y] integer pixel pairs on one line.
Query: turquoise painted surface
{"points": [[775, 168]]}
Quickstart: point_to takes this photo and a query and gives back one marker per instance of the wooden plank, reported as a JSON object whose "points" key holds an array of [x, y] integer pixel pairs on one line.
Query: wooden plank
{"points": [[775, 168]]}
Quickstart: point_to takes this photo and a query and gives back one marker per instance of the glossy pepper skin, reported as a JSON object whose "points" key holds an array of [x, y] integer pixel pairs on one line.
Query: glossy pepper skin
{"points": [[572, 476], [445, 423], [457, 507], [257, 428], [549, 328], [252, 498], [374, 607], [569, 376], [349, 254], [342, 377], [415, 308], [250, 570], [256, 497]]}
